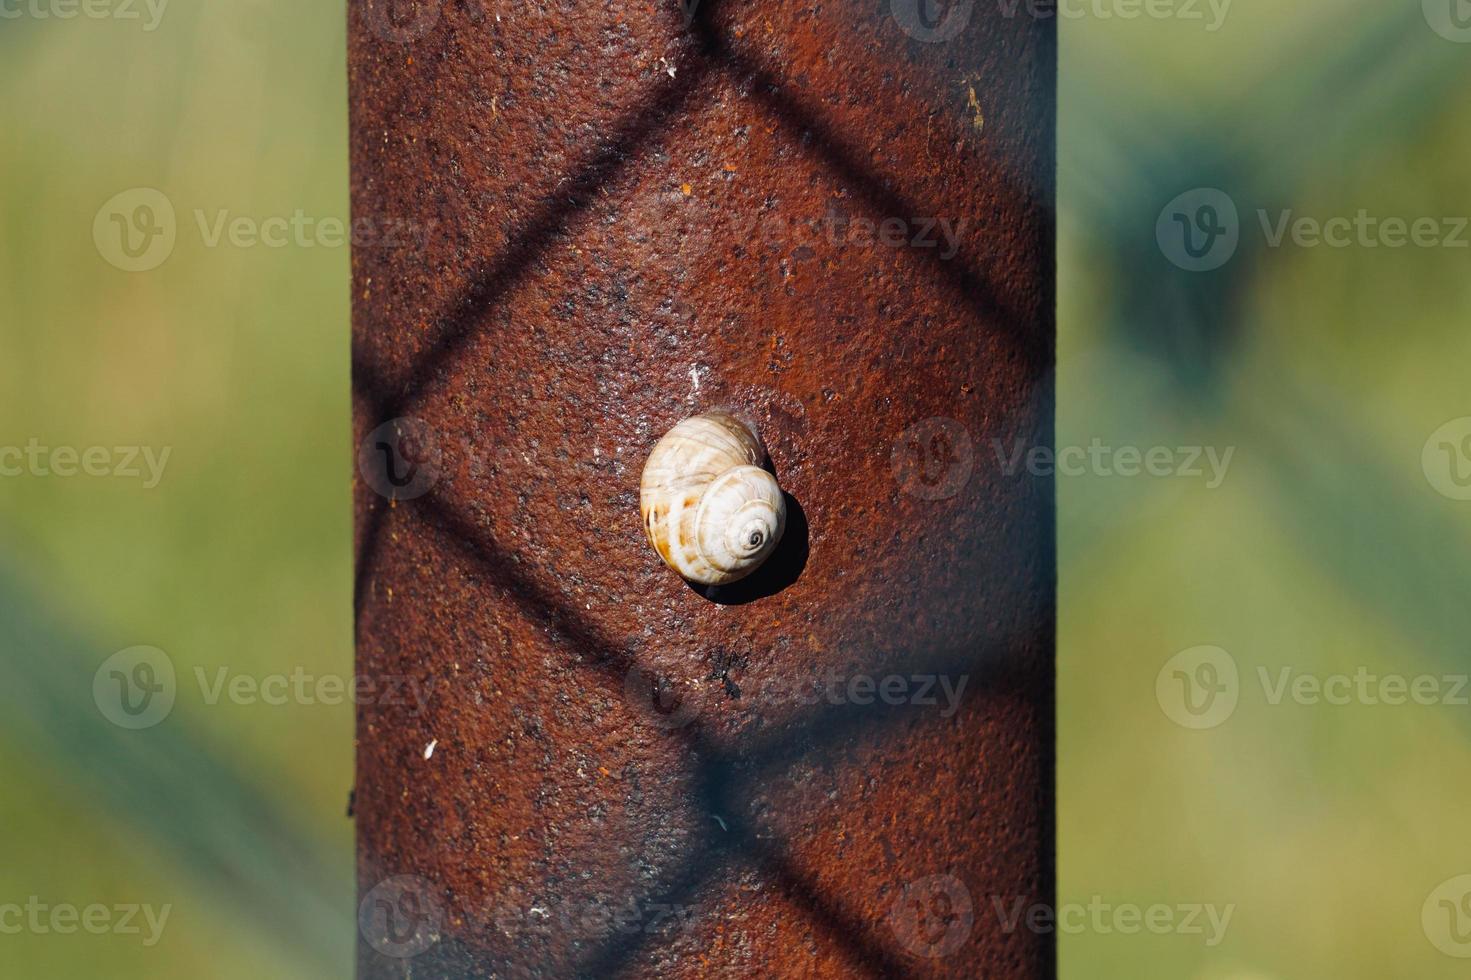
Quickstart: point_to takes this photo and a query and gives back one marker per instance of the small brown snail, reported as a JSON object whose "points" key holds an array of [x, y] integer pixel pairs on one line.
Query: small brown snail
{"points": [[712, 513]]}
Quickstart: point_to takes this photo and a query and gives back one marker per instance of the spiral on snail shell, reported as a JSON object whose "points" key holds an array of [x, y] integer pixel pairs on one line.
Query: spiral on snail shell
{"points": [[710, 510]]}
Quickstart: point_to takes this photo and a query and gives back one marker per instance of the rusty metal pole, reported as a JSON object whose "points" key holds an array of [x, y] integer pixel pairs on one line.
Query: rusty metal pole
{"points": [[575, 225]]}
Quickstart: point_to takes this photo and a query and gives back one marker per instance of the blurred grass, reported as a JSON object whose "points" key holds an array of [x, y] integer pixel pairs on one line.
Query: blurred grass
{"points": [[1324, 550], [237, 359], [231, 846]]}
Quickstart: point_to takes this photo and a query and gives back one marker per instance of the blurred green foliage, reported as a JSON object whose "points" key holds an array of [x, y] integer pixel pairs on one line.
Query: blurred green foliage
{"points": [[1325, 549], [240, 556]]}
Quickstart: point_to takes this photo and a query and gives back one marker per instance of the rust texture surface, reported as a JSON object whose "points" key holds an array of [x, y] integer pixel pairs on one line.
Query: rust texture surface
{"points": [[576, 225]]}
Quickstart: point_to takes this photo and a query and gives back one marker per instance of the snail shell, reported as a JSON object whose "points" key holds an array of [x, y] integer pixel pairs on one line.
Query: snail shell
{"points": [[712, 513]]}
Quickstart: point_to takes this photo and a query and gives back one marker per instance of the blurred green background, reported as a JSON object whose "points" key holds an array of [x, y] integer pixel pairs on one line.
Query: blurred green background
{"points": [[235, 814], [1325, 549]]}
